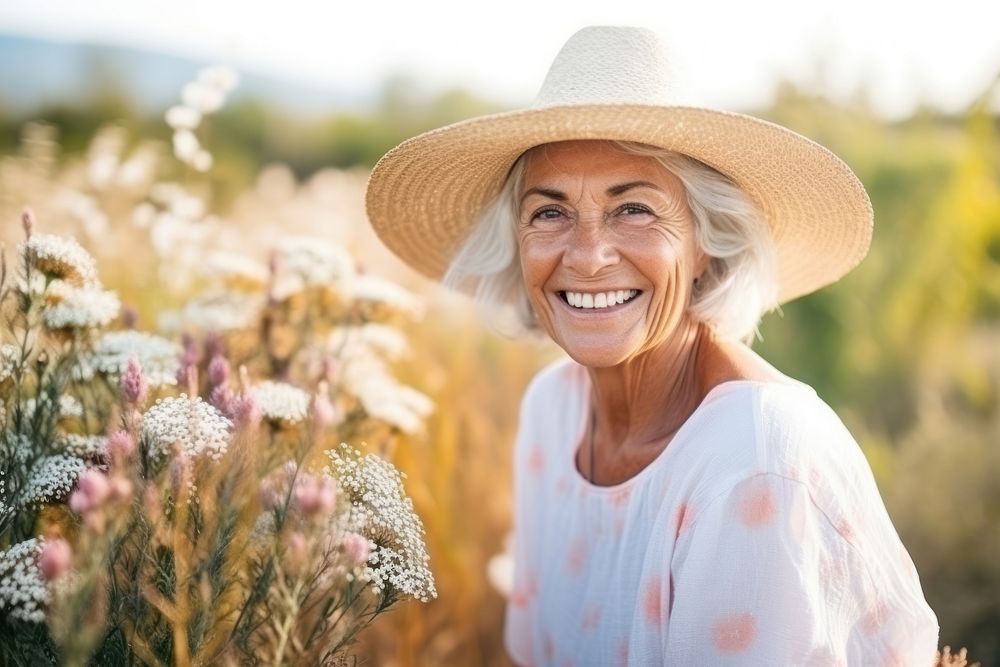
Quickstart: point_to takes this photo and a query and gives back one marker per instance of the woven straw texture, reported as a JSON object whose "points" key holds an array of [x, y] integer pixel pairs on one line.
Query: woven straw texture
{"points": [[424, 194]]}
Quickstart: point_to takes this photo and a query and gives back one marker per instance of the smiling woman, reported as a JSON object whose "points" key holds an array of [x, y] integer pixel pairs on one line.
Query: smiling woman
{"points": [[678, 500]]}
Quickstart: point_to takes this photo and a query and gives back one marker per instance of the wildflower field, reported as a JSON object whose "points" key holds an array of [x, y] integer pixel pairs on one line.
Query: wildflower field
{"points": [[236, 430]]}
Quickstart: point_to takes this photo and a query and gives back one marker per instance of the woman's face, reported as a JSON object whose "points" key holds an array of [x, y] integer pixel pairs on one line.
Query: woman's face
{"points": [[607, 248]]}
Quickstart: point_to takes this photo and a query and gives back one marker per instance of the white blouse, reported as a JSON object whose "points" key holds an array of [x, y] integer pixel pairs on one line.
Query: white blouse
{"points": [[757, 537]]}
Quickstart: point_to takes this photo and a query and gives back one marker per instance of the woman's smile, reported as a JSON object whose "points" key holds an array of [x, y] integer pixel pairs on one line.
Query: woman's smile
{"points": [[602, 300]]}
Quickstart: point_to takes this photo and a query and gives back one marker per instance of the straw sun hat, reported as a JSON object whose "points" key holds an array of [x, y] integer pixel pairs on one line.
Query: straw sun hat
{"points": [[616, 83]]}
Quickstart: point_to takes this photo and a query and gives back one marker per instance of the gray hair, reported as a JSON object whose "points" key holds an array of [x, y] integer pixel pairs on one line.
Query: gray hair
{"points": [[735, 291]]}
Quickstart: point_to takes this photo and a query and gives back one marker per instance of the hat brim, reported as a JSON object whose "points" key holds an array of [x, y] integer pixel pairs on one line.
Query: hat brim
{"points": [[424, 194]]}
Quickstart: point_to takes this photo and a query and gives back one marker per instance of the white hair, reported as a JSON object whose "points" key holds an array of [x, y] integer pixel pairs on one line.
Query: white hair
{"points": [[737, 288]]}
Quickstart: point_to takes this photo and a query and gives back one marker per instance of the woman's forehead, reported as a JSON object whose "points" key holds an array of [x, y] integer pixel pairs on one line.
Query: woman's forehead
{"points": [[590, 161]]}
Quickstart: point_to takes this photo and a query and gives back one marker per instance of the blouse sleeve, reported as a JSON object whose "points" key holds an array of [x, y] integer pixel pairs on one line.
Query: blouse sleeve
{"points": [[762, 577]]}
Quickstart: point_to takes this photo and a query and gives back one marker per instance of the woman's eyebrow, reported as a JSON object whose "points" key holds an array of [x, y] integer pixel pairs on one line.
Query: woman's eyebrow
{"points": [[613, 191]]}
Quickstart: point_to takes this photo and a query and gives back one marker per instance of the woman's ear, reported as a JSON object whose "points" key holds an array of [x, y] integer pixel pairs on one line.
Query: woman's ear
{"points": [[701, 264]]}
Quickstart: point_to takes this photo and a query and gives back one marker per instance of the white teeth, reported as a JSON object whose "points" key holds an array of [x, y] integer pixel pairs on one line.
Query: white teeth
{"points": [[599, 300]]}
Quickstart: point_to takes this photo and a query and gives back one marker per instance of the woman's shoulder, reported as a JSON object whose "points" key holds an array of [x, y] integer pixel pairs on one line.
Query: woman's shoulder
{"points": [[553, 380]]}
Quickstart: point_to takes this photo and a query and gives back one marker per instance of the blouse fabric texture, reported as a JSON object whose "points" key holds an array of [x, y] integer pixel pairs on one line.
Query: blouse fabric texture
{"points": [[756, 537]]}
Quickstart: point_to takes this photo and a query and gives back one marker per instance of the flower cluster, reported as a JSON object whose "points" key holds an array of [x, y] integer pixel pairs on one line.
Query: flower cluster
{"points": [[159, 357], [202, 96], [60, 258], [50, 478], [71, 307], [23, 593], [191, 424], [280, 401], [382, 512]]}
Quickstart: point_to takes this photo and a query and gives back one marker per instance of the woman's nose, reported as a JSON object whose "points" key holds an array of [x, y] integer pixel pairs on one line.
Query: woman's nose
{"points": [[590, 248]]}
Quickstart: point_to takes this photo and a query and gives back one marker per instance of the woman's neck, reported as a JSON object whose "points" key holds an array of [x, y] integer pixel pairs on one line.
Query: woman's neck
{"points": [[643, 400]]}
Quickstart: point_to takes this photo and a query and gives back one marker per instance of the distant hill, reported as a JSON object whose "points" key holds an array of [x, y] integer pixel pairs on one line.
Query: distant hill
{"points": [[34, 72]]}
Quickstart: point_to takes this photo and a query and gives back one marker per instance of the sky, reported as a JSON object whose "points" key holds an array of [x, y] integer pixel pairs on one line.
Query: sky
{"points": [[731, 53]]}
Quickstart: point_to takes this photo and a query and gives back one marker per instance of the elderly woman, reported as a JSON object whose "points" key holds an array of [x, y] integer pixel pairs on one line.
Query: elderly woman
{"points": [[678, 499]]}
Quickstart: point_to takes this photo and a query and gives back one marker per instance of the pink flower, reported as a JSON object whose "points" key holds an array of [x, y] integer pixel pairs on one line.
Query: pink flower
{"points": [[121, 444], [92, 490], [218, 371], [134, 384], [55, 558], [314, 495], [297, 548], [246, 412], [323, 410], [356, 548], [121, 489], [28, 221]]}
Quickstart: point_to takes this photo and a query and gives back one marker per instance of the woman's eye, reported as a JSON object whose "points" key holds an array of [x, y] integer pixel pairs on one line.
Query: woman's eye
{"points": [[547, 214], [634, 209]]}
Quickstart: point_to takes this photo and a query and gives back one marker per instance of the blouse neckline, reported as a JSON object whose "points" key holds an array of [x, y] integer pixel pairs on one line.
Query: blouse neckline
{"points": [[679, 436]]}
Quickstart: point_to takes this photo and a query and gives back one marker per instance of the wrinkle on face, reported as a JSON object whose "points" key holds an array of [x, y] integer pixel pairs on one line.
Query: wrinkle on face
{"points": [[590, 244]]}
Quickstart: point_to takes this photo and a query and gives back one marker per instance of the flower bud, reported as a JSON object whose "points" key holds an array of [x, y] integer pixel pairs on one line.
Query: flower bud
{"points": [[356, 548], [28, 222], [134, 385], [218, 371], [55, 558]]}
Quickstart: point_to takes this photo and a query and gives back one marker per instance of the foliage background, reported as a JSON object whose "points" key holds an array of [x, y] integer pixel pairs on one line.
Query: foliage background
{"points": [[906, 348]]}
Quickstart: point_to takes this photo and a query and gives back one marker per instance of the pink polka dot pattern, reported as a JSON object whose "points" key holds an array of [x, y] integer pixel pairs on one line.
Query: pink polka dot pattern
{"points": [[623, 653], [591, 618], [757, 507], [523, 595], [619, 498], [536, 460], [875, 617], [682, 519], [652, 607], [734, 633], [576, 558], [549, 649]]}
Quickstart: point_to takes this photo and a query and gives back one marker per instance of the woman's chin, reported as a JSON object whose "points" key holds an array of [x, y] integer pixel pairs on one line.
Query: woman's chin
{"points": [[597, 354]]}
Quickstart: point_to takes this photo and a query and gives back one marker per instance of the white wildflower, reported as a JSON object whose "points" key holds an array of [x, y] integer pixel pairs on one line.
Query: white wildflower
{"points": [[382, 512], [68, 407], [10, 358], [220, 77], [202, 160], [85, 208], [382, 396], [140, 167], [204, 97], [382, 338], [316, 261], [215, 312], [159, 357], [79, 307], [143, 215], [191, 424], [181, 117], [236, 270], [374, 289], [281, 401], [23, 593], [84, 446], [50, 478], [186, 145], [60, 257]]}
